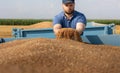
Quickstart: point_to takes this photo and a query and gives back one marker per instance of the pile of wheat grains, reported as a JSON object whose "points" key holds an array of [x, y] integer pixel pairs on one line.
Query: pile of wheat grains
{"points": [[6, 31], [40, 55], [117, 29]]}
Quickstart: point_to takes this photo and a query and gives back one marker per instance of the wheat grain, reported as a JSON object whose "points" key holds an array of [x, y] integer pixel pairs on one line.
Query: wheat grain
{"points": [[56, 56]]}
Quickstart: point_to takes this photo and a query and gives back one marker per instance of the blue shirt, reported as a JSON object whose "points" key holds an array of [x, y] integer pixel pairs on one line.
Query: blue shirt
{"points": [[65, 23]]}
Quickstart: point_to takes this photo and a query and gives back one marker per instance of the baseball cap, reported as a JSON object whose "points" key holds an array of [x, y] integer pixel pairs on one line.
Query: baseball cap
{"points": [[67, 1]]}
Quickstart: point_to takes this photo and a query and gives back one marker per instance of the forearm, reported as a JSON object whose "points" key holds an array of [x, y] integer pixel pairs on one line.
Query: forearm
{"points": [[56, 28], [80, 27]]}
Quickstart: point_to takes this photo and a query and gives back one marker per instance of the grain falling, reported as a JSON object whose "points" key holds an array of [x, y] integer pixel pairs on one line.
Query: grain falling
{"points": [[68, 33]]}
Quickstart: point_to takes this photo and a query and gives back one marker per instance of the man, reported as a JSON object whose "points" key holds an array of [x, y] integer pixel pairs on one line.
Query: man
{"points": [[69, 18]]}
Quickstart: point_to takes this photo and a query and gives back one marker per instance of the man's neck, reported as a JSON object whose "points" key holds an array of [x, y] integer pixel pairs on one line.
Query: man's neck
{"points": [[68, 16]]}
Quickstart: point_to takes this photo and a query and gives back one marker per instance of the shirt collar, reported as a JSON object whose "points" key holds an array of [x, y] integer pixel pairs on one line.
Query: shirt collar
{"points": [[66, 17]]}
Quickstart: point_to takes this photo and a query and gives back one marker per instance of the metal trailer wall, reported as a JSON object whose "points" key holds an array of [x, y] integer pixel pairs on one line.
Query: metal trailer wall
{"points": [[93, 35]]}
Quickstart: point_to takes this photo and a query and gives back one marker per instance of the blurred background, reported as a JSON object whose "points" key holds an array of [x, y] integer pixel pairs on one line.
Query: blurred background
{"points": [[47, 9]]}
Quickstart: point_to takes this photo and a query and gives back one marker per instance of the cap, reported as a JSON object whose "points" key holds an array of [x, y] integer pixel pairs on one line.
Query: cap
{"points": [[67, 1]]}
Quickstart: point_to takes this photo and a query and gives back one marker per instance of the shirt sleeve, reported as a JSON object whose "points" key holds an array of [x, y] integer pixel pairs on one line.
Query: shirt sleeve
{"points": [[82, 19], [56, 20]]}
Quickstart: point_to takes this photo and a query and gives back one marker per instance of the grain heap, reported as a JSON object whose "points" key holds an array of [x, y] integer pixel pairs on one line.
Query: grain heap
{"points": [[117, 29], [56, 56], [68, 33], [6, 31]]}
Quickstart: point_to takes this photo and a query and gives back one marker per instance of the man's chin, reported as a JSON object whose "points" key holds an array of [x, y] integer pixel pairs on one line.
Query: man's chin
{"points": [[69, 13]]}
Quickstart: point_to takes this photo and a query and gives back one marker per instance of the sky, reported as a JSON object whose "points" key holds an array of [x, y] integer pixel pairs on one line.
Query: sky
{"points": [[47, 9]]}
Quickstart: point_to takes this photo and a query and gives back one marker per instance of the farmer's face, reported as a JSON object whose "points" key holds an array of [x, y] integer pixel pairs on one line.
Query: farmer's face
{"points": [[68, 8]]}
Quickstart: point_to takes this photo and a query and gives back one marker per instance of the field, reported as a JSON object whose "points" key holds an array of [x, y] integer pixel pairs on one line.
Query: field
{"points": [[34, 21], [21, 21], [105, 21]]}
